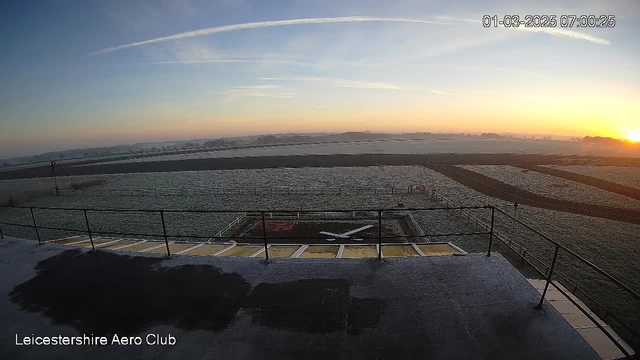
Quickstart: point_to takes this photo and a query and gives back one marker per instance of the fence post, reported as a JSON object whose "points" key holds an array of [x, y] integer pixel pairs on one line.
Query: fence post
{"points": [[493, 216], [1, 234], [86, 220], [264, 237], [35, 226], [379, 234], [164, 231], [546, 286]]}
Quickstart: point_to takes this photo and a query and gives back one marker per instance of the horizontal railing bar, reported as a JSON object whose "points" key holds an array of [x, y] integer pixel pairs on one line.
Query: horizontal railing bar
{"points": [[251, 211], [241, 237], [424, 236], [55, 228], [593, 320], [543, 274], [325, 212], [14, 224]]}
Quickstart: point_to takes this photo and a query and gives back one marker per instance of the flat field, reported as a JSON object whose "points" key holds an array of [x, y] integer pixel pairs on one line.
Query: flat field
{"points": [[555, 187], [623, 175], [609, 244]]}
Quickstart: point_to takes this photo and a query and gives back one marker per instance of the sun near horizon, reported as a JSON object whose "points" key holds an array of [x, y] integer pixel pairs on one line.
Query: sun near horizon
{"points": [[634, 136]]}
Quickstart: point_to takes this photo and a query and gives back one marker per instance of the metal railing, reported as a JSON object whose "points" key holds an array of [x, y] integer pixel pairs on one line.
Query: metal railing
{"points": [[548, 274], [303, 190], [550, 270], [260, 214]]}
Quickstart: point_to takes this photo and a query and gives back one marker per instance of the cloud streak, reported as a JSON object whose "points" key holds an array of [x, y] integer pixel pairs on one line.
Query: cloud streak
{"points": [[550, 31], [234, 61], [253, 91], [343, 83], [261, 24]]}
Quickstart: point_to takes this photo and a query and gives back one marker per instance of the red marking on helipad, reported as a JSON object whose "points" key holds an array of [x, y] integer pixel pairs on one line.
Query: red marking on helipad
{"points": [[278, 225]]}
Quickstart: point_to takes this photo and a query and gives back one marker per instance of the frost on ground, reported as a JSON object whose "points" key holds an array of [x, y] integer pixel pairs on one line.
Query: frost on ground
{"points": [[24, 189], [623, 175], [207, 225], [405, 146], [606, 243], [555, 187], [380, 176]]}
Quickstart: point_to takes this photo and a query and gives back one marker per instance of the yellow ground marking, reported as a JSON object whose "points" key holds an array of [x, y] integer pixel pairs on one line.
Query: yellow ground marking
{"points": [[144, 245], [205, 250], [357, 252], [118, 244], [174, 248], [241, 251], [281, 251], [102, 241], [81, 243], [398, 251], [320, 252], [437, 249], [65, 240]]}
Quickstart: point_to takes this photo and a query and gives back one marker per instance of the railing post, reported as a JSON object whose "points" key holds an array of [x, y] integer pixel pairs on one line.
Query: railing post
{"points": [[264, 237], [86, 220], [546, 286], [35, 226], [493, 217], [164, 231], [379, 234]]}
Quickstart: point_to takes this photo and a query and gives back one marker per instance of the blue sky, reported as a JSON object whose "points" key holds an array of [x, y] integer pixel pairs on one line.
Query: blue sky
{"points": [[437, 69]]}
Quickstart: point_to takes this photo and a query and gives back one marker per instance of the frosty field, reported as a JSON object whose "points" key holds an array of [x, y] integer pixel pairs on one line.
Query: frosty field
{"points": [[431, 146], [552, 186], [606, 243], [629, 176]]}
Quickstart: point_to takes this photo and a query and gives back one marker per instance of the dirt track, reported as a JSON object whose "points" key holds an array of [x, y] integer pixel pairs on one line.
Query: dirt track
{"points": [[299, 161], [500, 190], [588, 180]]}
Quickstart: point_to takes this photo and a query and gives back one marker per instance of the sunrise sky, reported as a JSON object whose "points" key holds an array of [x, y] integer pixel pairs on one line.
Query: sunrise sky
{"points": [[94, 73]]}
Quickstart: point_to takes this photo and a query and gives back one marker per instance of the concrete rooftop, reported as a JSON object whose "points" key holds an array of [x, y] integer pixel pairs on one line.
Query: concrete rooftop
{"points": [[445, 307]]}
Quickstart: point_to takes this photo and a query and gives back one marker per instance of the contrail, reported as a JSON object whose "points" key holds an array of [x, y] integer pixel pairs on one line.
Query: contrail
{"points": [[253, 25], [345, 19], [567, 33], [551, 31]]}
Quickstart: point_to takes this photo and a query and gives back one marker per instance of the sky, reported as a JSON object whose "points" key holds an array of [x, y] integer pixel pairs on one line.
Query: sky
{"points": [[96, 73]]}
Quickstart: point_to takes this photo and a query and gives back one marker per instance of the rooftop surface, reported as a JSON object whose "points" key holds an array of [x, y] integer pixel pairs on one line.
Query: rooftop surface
{"points": [[445, 307]]}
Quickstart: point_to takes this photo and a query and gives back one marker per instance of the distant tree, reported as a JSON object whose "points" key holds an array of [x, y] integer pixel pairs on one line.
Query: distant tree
{"points": [[266, 139], [602, 140], [219, 143]]}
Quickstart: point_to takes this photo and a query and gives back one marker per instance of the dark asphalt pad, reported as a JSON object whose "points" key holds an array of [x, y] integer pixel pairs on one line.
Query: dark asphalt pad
{"points": [[73, 288], [312, 306], [364, 314]]}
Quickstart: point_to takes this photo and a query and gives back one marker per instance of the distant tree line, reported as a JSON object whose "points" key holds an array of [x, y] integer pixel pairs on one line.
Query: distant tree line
{"points": [[605, 140], [229, 142]]}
